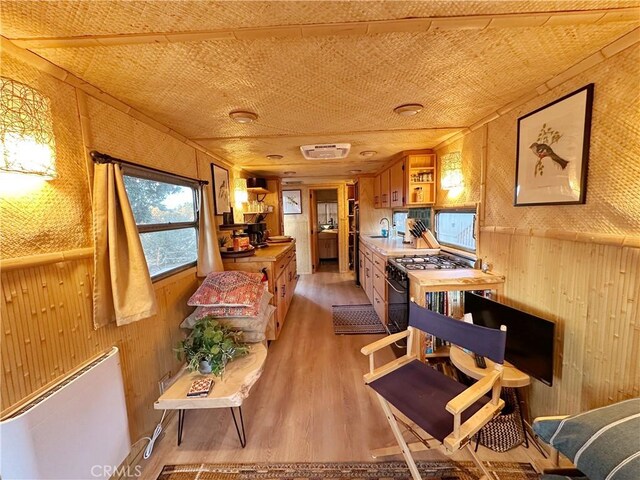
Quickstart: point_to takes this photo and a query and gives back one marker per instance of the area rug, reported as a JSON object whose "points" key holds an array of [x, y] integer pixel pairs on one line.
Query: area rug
{"points": [[364, 471], [356, 320]]}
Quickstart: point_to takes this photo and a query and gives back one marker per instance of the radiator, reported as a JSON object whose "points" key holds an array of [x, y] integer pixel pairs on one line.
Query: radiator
{"points": [[78, 429]]}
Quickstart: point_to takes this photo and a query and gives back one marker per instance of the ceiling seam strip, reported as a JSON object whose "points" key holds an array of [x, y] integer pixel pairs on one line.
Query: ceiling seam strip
{"points": [[628, 40], [427, 24], [63, 75]]}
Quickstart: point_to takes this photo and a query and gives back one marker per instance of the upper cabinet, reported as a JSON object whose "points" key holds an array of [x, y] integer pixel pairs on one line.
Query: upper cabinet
{"points": [[396, 184], [408, 182], [421, 178], [385, 201]]}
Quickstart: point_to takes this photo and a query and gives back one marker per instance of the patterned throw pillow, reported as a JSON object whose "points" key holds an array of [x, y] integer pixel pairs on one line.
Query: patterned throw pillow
{"points": [[229, 289]]}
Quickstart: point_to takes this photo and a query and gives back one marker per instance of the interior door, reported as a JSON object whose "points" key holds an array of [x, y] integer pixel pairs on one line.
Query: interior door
{"points": [[315, 259]]}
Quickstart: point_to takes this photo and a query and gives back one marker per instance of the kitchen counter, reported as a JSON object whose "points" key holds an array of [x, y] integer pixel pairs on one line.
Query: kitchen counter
{"points": [[393, 247], [267, 254]]}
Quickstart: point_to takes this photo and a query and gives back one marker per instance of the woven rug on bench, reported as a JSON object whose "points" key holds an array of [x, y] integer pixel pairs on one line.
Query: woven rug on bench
{"points": [[356, 320], [361, 471]]}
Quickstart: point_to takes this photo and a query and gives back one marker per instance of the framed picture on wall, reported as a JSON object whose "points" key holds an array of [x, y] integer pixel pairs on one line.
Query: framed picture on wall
{"points": [[292, 202], [221, 189], [553, 150]]}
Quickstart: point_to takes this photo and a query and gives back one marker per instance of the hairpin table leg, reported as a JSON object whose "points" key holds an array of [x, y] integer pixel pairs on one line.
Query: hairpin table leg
{"points": [[242, 437], [181, 413]]}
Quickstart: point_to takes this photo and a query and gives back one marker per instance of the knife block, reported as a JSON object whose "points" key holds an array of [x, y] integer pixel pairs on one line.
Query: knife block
{"points": [[419, 243]]}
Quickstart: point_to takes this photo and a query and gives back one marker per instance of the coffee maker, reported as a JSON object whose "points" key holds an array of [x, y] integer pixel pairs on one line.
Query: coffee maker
{"points": [[256, 232]]}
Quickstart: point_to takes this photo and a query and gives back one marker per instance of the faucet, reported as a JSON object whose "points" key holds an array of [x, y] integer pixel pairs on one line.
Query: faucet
{"points": [[383, 230]]}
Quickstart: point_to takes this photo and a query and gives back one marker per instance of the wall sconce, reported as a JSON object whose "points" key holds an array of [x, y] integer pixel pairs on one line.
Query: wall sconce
{"points": [[240, 193], [451, 176], [27, 142]]}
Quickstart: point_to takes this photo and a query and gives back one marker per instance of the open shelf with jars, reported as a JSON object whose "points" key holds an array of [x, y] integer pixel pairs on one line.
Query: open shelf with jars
{"points": [[421, 179]]}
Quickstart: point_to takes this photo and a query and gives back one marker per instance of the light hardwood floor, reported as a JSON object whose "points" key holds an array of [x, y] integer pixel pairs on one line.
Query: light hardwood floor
{"points": [[310, 403]]}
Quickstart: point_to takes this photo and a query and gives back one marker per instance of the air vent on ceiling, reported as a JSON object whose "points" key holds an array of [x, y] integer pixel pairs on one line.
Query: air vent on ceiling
{"points": [[327, 151]]}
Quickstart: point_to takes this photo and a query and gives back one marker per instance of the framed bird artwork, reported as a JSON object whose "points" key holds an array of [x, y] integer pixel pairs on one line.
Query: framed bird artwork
{"points": [[292, 202], [221, 190], [553, 151]]}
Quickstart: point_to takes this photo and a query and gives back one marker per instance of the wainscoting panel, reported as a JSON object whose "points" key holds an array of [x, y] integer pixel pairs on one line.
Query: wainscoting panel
{"points": [[591, 291], [47, 330]]}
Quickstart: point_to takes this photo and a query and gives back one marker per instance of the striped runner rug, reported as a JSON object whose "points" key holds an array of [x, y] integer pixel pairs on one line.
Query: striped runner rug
{"points": [[362, 471], [356, 320]]}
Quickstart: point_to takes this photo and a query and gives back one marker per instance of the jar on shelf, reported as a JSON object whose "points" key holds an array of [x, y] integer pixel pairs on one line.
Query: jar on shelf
{"points": [[419, 195]]}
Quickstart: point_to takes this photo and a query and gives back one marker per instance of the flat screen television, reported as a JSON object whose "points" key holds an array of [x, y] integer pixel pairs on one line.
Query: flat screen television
{"points": [[529, 338]]}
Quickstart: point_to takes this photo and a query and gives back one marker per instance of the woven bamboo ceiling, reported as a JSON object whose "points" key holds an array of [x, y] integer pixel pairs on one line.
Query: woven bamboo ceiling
{"points": [[314, 71]]}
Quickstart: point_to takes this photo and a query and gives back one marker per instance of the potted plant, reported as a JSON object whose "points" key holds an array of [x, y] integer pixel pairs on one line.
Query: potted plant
{"points": [[210, 346], [222, 242]]}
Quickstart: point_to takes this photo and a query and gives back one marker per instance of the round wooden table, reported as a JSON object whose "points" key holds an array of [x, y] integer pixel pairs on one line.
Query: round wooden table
{"points": [[511, 376]]}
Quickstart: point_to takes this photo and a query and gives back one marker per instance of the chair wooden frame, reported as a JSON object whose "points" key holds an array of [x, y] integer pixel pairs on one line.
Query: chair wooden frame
{"points": [[462, 431]]}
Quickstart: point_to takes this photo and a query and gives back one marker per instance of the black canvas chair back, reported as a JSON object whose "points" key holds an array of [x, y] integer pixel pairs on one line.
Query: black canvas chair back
{"points": [[487, 342]]}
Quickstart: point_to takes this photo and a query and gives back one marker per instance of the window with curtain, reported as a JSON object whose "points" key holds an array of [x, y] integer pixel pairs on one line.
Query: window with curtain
{"points": [[166, 212]]}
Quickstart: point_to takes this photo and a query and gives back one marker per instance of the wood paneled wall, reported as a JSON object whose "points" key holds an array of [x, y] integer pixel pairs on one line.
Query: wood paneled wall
{"points": [[591, 291], [47, 331]]}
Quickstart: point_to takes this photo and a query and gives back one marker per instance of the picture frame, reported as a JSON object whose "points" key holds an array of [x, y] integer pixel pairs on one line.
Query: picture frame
{"points": [[553, 151], [292, 202], [221, 189]]}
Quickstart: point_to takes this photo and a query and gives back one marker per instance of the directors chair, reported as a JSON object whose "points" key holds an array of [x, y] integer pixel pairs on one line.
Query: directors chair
{"points": [[443, 408]]}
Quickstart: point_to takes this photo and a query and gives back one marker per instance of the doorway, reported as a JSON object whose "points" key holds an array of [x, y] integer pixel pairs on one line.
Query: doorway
{"points": [[325, 230]]}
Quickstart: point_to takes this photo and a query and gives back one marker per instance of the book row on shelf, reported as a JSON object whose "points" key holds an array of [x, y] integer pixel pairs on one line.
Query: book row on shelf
{"points": [[450, 304]]}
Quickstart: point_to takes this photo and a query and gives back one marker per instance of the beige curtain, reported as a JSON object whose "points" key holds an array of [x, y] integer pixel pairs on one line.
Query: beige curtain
{"points": [[122, 290], [209, 259]]}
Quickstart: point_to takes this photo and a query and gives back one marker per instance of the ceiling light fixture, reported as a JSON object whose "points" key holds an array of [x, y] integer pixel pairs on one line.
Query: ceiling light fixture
{"points": [[408, 110], [354, 171], [368, 153], [274, 156], [289, 172], [243, 117]]}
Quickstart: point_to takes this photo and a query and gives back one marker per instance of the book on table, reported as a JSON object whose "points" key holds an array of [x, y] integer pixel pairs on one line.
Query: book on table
{"points": [[200, 387]]}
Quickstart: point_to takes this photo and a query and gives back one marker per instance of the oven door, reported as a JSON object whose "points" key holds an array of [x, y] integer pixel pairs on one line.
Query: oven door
{"points": [[397, 312]]}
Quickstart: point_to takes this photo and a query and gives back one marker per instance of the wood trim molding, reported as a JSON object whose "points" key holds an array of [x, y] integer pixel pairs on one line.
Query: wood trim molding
{"points": [[615, 47], [425, 24], [629, 241], [45, 259], [61, 74]]}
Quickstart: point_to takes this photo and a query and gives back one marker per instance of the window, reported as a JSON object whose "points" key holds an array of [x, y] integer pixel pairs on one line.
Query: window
{"points": [[328, 213], [456, 229], [399, 219], [165, 209]]}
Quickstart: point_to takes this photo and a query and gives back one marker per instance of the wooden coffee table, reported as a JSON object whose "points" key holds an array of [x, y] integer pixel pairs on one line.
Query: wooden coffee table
{"points": [[230, 390]]}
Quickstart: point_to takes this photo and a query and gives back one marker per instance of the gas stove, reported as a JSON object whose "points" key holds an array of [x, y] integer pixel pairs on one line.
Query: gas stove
{"points": [[428, 262]]}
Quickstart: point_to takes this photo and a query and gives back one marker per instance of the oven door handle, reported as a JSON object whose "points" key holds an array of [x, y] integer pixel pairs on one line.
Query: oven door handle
{"points": [[401, 347], [391, 285]]}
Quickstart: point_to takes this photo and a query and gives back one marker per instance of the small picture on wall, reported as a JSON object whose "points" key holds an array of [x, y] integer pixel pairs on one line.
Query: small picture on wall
{"points": [[553, 149], [221, 189], [292, 202]]}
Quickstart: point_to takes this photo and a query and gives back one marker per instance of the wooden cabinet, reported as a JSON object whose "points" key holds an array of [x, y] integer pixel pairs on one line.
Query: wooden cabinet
{"points": [[385, 201], [421, 174], [396, 184], [368, 268], [376, 192], [282, 273], [373, 280], [327, 246]]}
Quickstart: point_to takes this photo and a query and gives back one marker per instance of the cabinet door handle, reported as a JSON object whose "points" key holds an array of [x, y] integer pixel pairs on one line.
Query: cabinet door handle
{"points": [[284, 290], [377, 276]]}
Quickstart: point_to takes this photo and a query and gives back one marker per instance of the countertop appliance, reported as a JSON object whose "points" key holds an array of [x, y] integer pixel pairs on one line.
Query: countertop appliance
{"points": [[256, 232], [398, 296]]}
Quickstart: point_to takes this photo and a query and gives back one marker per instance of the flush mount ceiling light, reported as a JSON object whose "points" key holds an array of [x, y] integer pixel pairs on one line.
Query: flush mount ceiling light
{"points": [[274, 156], [243, 117], [408, 110], [354, 171], [289, 172], [368, 153]]}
